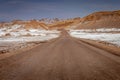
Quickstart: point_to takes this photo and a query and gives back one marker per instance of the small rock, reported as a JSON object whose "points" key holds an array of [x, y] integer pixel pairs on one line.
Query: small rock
{"points": [[3, 51]]}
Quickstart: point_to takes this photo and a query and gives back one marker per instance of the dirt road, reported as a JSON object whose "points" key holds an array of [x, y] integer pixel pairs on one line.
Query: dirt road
{"points": [[65, 58]]}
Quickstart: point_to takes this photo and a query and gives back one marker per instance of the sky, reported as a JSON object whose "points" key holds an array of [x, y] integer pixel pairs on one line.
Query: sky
{"points": [[37, 9]]}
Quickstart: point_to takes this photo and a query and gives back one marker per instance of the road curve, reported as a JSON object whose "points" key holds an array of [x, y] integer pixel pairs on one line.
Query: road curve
{"points": [[64, 58]]}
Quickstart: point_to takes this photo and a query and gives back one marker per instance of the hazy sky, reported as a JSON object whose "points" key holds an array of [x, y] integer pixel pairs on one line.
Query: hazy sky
{"points": [[37, 9]]}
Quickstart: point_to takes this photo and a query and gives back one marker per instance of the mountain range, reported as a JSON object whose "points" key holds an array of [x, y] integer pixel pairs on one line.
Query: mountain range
{"points": [[102, 19]]}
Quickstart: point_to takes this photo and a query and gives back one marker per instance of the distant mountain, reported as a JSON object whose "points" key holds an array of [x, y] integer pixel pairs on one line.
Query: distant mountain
{"points": [[49, 21], [66, 24]]}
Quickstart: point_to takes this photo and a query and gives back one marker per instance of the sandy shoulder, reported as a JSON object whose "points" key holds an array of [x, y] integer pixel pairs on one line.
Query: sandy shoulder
{"points": [[103, 45], [16, 48]]}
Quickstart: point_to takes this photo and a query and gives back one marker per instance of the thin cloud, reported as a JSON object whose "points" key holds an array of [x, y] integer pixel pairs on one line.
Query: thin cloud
{"points": [[27, 9]]}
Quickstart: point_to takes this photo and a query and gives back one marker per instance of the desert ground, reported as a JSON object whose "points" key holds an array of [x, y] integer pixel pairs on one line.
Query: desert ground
{"points": [[85, 48], [63, 58]]}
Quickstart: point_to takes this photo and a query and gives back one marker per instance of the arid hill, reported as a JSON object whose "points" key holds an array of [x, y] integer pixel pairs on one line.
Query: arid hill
{"points": [[25, 24], [103, 19]]}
